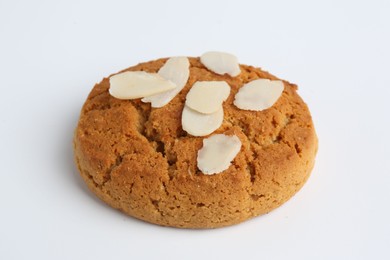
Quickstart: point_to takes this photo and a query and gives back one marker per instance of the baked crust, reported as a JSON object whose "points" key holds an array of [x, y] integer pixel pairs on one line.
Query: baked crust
{"points": [[139, 160]]}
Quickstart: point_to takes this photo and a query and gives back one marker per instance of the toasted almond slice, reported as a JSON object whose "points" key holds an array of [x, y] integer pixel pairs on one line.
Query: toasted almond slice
{"points": [[137, 84], [217, 153], [176, 69], [207, 96], [198, 124], [221, 63], [259, 94]]}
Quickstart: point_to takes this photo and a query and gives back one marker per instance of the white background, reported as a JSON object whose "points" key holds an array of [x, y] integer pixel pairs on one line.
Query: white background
{"points": [[52, 53]]}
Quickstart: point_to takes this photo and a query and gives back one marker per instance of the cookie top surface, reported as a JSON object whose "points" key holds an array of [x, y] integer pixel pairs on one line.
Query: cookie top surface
{"points": [[131, 151]]}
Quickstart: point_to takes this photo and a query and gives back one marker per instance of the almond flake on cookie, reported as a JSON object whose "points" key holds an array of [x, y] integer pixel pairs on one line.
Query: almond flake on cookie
{"points": [[137, 84], [217, 153], [221, 63], [259, 94], [198, 124], [206, 97], [175, 69]]}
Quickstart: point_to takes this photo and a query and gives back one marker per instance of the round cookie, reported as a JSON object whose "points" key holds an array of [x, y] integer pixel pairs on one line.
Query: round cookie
{"points": [[139, 159]]}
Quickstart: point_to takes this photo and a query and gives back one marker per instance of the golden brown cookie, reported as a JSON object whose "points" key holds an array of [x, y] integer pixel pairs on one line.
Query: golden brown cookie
{"points": [[139, 160]]}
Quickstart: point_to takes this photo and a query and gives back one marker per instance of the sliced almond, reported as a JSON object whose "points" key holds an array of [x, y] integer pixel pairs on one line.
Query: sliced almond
{"points": [[217, 153], [176, 69], [259, 94], [137, 84], [207, 96], [198, 124], [221, 63]]}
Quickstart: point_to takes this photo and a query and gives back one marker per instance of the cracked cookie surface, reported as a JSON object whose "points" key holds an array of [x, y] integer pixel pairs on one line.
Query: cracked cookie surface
{"points": [[139, 159]]}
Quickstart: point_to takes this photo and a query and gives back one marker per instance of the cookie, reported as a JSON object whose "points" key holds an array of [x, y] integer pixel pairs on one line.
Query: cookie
{"points": [[139, 159]]}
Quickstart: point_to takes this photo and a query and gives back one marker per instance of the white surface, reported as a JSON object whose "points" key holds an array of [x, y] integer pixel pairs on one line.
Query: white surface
{"points": [[51, 54]]}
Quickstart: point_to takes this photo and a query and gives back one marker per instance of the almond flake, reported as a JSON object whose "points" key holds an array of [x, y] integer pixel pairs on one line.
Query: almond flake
{"points": [[137, 84], [221, 63], [176, 69], [217, 153], [207, 96], [259, 94], [198, 124]]}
